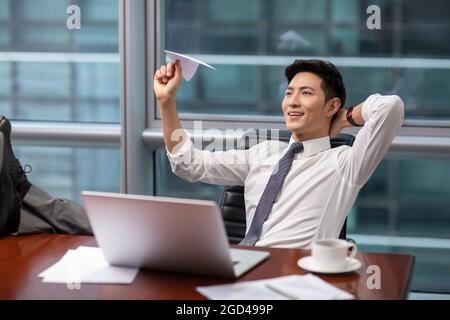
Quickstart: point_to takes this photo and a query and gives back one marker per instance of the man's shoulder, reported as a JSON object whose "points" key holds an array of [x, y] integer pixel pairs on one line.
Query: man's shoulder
{"points": [[338, 153], [340, 150]]}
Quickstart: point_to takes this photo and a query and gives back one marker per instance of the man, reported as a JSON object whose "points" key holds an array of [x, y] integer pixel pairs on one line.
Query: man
{"points": [[301, 191], [26, 209]]}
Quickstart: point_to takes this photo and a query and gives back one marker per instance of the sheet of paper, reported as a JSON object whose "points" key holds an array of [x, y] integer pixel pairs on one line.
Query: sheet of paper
{"points": [[189, 65], [87, 265], [58, 266], [306, 287]]}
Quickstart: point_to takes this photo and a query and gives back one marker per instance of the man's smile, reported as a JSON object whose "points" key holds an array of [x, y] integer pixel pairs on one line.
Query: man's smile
{"points": [[295, 115]]}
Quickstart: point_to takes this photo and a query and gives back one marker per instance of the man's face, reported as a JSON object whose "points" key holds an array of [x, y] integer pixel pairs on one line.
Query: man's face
{"points": [[304, 107]]}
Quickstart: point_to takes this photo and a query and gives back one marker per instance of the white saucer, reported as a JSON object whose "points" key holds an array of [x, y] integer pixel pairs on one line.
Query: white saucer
{"points": [[308, 264]]}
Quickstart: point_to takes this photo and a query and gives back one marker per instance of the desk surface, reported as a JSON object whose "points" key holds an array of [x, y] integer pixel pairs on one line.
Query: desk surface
{"points": [[23, 258]]}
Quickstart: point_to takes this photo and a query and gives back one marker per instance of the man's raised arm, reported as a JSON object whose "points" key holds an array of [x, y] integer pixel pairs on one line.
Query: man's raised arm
{"points": [[381, 117], [165, 84], [188, 162]]}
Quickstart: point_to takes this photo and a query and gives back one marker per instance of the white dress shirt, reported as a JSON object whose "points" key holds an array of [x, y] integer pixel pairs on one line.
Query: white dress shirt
{"points": [[319, 189]]}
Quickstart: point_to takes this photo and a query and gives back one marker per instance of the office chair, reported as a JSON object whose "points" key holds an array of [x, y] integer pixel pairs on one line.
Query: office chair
{"points": [[1, 151], [233, 204]]}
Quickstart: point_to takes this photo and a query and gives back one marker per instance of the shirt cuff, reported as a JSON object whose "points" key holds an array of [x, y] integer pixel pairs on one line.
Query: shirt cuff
{"points": [[366, 110]]}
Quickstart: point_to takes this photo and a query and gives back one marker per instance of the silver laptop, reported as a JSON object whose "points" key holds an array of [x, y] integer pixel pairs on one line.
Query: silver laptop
{"points": [[170, 234]]}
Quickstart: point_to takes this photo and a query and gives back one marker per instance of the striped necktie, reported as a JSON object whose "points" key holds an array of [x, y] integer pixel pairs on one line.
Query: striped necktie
{"points": [[270, 193]]}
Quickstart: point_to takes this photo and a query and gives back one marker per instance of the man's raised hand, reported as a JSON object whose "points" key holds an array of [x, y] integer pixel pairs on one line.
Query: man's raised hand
{"points": [[167, 81]]}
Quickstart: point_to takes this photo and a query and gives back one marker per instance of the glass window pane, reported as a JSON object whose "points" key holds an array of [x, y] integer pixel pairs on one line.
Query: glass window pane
{"points": [[42, 10], [91, 81], [101, 10], [65, 172], [344, 41], [54, 79], [234, 11], [5, 107], [53, 111], [4, 38], [426, 29], [299, 11], [5, 76], [4, 9], [60, 70], [169, 185], [345, 11], [431, 268], [88, 109], [93, 38], [230, 39], [44, 38], [243, 90]]}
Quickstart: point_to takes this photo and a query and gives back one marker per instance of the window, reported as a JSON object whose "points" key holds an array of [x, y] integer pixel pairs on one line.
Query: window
{"points": [[64, 172], [77, 70], [52, 74]]}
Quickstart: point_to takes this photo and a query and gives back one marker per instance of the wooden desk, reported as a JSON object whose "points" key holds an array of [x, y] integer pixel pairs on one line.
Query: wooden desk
{"points": [[23, 258]]}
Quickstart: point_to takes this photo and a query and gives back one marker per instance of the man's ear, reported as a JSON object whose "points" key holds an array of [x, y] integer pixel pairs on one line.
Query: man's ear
{"points": [[333, 106]]}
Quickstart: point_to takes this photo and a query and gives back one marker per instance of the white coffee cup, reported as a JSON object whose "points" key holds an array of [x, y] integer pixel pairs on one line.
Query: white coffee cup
{"points": [[332, 253]]}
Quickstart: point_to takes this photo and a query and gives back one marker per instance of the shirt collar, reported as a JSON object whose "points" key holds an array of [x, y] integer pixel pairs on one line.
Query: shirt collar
{"points": [[313, 146]]}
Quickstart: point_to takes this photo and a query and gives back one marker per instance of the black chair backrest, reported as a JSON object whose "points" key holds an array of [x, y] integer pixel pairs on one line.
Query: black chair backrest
{"points": [[233, 204], [1, 152]]}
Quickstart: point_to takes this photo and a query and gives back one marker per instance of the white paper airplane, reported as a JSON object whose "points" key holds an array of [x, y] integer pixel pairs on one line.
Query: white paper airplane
{"points": [[188, 64]]}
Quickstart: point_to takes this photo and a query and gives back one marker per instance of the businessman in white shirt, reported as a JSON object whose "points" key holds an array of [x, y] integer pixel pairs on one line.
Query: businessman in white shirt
{"points": [[313, 196]]}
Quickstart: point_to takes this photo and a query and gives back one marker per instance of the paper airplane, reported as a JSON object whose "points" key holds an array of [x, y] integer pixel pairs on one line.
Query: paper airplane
{"points": [[188, 64]]}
